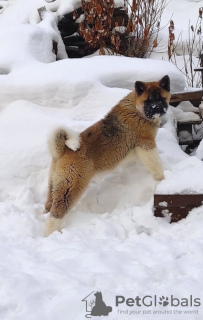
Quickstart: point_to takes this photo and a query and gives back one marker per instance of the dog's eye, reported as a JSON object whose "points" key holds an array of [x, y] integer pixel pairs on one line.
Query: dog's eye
{"points": [[155, 100], [148, 101]]}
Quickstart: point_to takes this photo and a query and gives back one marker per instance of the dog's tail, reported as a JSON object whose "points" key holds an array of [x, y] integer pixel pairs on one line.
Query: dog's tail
{"points": [[62, 138]]}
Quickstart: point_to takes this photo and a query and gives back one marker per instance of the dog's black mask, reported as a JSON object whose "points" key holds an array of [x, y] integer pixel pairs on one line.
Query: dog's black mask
{"points": [[155, 106]]}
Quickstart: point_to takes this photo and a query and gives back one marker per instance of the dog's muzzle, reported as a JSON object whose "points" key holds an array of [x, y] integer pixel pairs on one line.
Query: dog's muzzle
{"points": [[155, 109]]}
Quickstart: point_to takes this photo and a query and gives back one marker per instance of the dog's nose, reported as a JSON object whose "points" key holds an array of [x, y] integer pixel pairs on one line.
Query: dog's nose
{"points": [[158, 109]]}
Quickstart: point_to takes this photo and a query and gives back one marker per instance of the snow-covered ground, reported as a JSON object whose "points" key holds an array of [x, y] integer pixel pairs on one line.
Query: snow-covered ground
{"points": [[111, 241]]}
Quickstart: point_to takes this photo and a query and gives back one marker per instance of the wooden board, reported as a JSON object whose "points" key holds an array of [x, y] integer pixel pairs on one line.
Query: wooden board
{"points": [[186, 96], [194, 97], [176, 206]]}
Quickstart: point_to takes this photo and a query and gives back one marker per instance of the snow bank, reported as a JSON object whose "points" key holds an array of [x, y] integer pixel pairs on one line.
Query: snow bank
{"points": [[184, 177], [33, 42], [183, 173], [24, 43], [68, 82], [26, 10]]}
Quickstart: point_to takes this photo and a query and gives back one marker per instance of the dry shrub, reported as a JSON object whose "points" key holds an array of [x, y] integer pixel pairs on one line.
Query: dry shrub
{"points": [[132, 32]]}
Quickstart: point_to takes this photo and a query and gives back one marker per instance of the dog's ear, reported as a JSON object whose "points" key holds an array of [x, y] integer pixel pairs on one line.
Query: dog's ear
{"points": [[164, 83], [139, 87]]}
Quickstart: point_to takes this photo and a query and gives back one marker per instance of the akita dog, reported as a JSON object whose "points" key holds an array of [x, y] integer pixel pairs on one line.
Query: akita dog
{"points": [[130, 125]]}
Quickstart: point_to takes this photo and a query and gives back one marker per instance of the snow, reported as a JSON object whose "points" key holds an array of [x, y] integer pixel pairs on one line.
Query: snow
{"points": [[111, 241], [182, 116], [189, 170], [75, 81], [187, 106]]}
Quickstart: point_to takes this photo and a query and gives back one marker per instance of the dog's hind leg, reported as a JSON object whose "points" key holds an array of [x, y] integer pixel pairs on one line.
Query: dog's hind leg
{"points": [[53, 224], [48, 203], [65, 194]]}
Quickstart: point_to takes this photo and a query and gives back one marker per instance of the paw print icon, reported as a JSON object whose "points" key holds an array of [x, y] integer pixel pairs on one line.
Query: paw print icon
{"points": [[163, 301]]}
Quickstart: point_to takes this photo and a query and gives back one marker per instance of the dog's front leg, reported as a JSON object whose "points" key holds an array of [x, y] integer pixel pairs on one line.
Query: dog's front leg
{"points": [[150, 158]]}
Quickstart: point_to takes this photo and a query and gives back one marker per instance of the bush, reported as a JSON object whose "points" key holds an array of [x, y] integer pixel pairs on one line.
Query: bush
{"points": [[132, 32]]}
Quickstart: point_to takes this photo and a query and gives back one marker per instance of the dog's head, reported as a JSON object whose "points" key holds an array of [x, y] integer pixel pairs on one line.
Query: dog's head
{"points": [[152, 98], [98, 294]]}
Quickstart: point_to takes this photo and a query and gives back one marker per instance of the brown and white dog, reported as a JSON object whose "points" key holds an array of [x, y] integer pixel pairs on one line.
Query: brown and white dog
{"points": [[131, 125]]}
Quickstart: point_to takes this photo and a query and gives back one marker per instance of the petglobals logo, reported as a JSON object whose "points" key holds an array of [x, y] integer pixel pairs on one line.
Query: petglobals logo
{"points": [[155, 301], [95, 305]]}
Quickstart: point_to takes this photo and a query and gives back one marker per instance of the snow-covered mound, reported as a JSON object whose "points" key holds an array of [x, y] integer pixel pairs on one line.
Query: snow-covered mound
{"points": [[70, 81], [73, 80]]}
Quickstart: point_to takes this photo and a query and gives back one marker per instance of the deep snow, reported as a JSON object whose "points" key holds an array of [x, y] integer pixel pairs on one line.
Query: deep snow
{"points": [[111, 242]]}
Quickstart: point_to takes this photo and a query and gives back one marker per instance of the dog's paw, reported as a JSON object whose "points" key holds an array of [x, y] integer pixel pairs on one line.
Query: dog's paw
{"points": [[73, 143], [159, 176], [52, 224]]}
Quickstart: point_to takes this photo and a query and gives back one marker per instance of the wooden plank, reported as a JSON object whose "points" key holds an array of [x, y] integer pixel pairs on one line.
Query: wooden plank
{"points": [[193, 143], [179, 200], [186, 96], [176, 206], [174, 215], [199, 69], [189, 122]]}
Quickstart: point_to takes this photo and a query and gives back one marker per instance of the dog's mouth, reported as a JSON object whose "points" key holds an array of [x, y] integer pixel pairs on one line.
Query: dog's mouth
{"points": [[155, 109]]}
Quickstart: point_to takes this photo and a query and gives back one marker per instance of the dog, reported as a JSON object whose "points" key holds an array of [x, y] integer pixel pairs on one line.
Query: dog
{"points": [[132, 124], [100, 308]]}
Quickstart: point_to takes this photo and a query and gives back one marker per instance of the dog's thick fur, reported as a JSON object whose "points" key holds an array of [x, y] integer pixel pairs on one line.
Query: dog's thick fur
{"points": [[131, 124]]}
